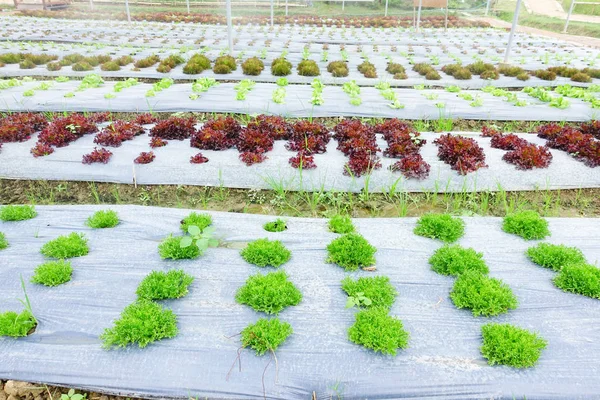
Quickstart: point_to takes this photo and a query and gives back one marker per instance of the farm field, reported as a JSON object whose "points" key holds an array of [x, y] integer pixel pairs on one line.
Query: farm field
{"points": [[341, 208]]}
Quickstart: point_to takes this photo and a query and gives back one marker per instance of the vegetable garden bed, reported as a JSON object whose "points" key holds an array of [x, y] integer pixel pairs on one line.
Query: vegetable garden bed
{"points": [[318, 356], [400, 159]]}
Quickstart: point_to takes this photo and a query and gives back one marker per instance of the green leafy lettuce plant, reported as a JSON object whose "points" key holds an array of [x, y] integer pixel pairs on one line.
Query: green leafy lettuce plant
{"points": [[170, 248], [264, 252], [376, 330], [103, 219], [341, 224], [17, 213], [555, 256], [3, 241], [440, 226], [482, 295], [376, 289], [269, 293], [351, 251], [527, 224], [266, 335], [510, 345], [160, 285], [141, 323], [583, 279], [53, 273], [278, 225], [200, 220], [66, 246], [455, 259]]}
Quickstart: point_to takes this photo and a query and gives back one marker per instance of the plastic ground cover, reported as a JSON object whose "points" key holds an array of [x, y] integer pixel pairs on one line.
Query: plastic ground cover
{"points": [[444, 341], [172, 167], [418, 104]]}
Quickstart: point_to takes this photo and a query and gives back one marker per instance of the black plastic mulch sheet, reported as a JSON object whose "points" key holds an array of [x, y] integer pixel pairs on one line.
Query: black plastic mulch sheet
{"points": [[442, 361]]}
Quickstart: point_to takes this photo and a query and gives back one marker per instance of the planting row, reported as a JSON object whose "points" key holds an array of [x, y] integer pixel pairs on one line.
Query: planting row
{"points": [[431, 46], [310, 20], [273, 292], [481, 278], [565, 103], [180, 65]]}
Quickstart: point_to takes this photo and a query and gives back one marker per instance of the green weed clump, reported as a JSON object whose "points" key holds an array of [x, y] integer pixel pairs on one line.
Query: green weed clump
{"points": [[142, 322], [583, 279], [170, 248], [3, 241], [103, 219], [482, 295], [376, 330], [266, 335], [377, 289], [506, 344], [16, 325], [269, 293], [440, 226], [278, 225], [264, 252], [527, 224], [17, 213], [160, 285], [195, 219], [351, 251], [341, 224], [66, 246], [53, 273], [555, 256], [455, 260]]}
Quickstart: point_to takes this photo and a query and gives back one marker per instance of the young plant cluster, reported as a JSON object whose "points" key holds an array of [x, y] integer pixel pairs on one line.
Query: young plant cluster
{"points": [[270, 293], [63, 130], [174, 128], [338, 69], [404, 142], [440, 226], [145, 157], [506, 344], [117, 132], [427, 71], [527, 224], [17, 213], [307, 139], [358, 142], [266, 253], [579, 142], [98, 155], [351, 251], [367, 69], [19, 127], [521, 153], [197, 64], [397, 70], [463, 154], [575, 275]]}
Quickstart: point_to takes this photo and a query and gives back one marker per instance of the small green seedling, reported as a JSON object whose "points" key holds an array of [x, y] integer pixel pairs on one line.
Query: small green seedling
{"points": [[203, 239], [71, 395], [103, 219], [351, 251], [375, 329], [17, 213], [527, 224], [141, 323], [440, 226], [341, 224], [510, 345], [200, 220], [583, 279], [66, 246], [18, 325], [278, 225], [358, 300], [555, 256], [269, 293], [3, 241], [53, 273], [265, 253], [160, 285], [266, 335]]}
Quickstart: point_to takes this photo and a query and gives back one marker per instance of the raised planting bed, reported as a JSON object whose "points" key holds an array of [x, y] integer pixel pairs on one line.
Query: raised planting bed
{"points": [[323, 336], [270, 152]]}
